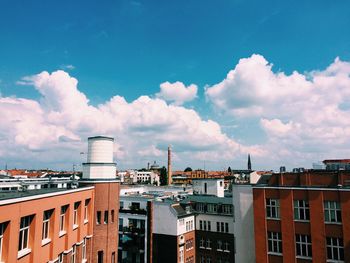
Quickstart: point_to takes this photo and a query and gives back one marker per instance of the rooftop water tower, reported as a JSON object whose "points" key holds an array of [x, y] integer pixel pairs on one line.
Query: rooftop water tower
{"points": [[99, 163]]}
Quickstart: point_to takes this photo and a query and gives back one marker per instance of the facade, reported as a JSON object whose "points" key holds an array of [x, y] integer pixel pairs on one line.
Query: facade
{"points": [[135, 229], [214, 228], [173, 233], [139, 177], [209, 186], [46, 225], [63, 220], [302, 217]]}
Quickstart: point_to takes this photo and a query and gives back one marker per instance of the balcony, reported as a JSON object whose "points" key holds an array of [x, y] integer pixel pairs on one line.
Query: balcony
{"points": [[132, 230], [133, 210]]}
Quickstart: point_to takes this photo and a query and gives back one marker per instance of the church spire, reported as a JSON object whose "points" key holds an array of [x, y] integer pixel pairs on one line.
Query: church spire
{"points": [[249, 163]]}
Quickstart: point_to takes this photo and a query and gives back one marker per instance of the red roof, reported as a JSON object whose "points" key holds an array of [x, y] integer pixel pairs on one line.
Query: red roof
{"points": [[336, 161]]}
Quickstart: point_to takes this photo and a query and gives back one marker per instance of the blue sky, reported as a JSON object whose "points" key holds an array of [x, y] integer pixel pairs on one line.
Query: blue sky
{"points": [[128, 48]]}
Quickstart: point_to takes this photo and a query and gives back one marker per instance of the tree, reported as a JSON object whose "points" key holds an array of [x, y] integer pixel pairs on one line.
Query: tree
{"points": [[229, 169], [163, 176], [188, 169]]}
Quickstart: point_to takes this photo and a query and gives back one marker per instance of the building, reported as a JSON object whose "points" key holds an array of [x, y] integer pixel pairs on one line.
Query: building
{"points": [[46, 225], [214, 228], [337, 164], [135, 228], [139, 177], [302, 217], [208, 186], [173, 233], [62, 219]]}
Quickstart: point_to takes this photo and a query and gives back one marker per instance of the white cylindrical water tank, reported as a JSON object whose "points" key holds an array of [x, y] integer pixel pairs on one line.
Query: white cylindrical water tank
{"points": [[100, 149]]}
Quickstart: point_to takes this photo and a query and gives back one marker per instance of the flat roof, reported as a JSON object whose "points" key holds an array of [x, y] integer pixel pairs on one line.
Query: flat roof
{"points": [[210, 199], [11, 196]]}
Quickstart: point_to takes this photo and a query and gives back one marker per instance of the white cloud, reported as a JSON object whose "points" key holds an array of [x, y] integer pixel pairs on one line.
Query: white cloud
{"points": [[68, 67], [307, 115], [177, 92], [56, 126]]}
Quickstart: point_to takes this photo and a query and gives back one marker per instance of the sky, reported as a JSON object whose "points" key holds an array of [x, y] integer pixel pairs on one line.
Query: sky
{"points": [[215, 80]]}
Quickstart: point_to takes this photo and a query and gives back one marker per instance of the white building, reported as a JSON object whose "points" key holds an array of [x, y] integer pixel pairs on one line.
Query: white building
{"points": [[139, 177], [209, 186]]}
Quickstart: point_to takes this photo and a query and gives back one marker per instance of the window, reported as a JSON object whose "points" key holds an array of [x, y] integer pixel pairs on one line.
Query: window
{"points": [[205, 188], [112, 216], [83, 257], [2, 231], [113, 257], [202, 259], [46, 225], [273, 208], [205, 225], [121, 205], [75, 213], [208, 243], [86, 210], [335, 249], [60, 258], [227, 247], [106, 217], [274, 242], [301, 210], [121, 224], [200, 224], [74, 253], [209, 260], [98, 217], [23, 242], [100, 256], [62, 217], [227, 209], [222, 227], [201, 243], [226, 227], [303, 246], [332, 212], [209, 226], [219, 245], [218, 226], [212, 208], [200, 207]]}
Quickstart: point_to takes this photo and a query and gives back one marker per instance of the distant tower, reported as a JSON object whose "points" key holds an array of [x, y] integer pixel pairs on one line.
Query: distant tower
{"points": [[249, 163], [169, 166], [100, 171]]}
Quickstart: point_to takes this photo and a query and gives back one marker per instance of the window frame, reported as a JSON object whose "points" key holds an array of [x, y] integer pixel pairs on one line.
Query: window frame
{"points": [[304, 243], [331, 247], [24, 233], [274, 243], [272, 208], [45, 235], [62, 223], [301, 210], [330, 207], [2, 234]]}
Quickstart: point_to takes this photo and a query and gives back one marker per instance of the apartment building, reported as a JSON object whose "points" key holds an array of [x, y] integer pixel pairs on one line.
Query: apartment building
{"points": [[135, 229], [46, 225], [173, 233], [60, 220], [214, 228], [302, 217]]}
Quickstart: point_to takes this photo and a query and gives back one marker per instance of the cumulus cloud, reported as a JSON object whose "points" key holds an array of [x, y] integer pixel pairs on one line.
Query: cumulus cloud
{"points": [[56, 126], [307, 115], [177, 92]]}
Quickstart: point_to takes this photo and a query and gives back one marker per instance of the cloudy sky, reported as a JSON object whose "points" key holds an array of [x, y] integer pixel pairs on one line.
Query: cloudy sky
{"points": [[214, 80]]}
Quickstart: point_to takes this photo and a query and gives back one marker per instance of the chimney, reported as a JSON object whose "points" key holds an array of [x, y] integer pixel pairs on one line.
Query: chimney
{"points": [[170, 181]]}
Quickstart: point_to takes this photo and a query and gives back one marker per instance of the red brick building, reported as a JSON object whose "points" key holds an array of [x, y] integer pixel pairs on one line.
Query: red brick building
{"points": [[302, 217]]}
